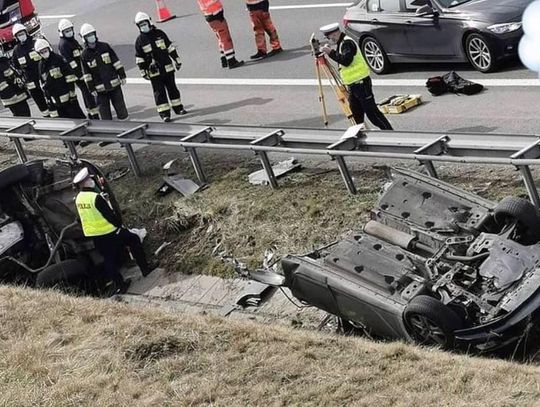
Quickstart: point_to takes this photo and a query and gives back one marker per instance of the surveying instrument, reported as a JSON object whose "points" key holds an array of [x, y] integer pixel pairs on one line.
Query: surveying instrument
{"points": [[332, 75]]}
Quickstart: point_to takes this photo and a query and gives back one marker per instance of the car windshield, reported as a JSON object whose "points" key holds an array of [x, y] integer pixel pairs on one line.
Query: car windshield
{"points": [[452, 3]]}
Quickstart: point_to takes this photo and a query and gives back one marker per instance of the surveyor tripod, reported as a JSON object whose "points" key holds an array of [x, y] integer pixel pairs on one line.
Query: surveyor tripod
{"points": [[332, 75]]}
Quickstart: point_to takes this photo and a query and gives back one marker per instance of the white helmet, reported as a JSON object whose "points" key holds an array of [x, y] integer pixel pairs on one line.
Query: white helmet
{"points": [[87, 29], [41, 44], [17, 28], [81, 176], [64, 24], [140, 17]]}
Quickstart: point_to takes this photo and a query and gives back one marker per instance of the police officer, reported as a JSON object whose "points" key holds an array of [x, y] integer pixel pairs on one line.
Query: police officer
{"points": [[58, 83], [12, 91], [355, 73], [71, 50], [103, 225], [25, 60], [214, 16], [157, 60], [104, 74]]}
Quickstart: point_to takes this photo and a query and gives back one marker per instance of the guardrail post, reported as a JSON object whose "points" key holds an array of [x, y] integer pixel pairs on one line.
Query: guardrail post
{"points": [[345, 144], [200, 136], [436, 147], [531, 152], [138, 132], [80, 130], [25, 128], [270, 140]]}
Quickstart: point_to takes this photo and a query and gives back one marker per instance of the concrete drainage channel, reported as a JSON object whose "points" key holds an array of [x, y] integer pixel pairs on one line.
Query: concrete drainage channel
{"points": [[234, 298]]}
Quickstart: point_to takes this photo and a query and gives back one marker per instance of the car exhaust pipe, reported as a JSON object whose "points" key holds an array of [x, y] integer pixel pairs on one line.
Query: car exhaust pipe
{"points": [[390, 235]]}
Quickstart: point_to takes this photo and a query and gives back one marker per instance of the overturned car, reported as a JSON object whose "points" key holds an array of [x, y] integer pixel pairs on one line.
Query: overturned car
{"points": [[435, 265]]}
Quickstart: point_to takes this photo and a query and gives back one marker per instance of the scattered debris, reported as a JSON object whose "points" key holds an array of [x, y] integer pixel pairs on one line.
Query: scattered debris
{"points": [[397, 104], [253, 294], [115, 175], [174, 180], [161, 248], [280, 169]]}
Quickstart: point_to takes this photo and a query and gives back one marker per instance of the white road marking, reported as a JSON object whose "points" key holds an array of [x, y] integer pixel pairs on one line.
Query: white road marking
{"points": [[297, 6], [313, 82], [56, 17]]}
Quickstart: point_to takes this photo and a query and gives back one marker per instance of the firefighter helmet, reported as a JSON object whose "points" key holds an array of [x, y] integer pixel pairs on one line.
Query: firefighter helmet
{"points": [[140, 17], [64, 24], [17, 28], [41, 44], [87, 29]]}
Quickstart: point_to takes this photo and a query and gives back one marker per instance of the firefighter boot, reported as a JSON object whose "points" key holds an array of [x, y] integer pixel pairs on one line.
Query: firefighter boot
{"points": [[224, 63], [179, 110], [234, 63]]}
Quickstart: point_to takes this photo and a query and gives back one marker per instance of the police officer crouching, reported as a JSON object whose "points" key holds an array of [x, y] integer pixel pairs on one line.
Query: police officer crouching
{"points": [[157, 59], [12, 92], [355, 73], [100, 223], [58, 83]]}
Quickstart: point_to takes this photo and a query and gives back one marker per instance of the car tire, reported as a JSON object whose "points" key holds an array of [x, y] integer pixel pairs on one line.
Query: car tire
{"points": [[68, 275], [429, 322], [480, 54], [519, 209], [12, 175], [375, 56]]}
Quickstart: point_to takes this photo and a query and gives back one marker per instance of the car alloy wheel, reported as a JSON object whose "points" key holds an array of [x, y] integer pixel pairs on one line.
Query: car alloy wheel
{"points": [[479, 53], [375, 56], [425, 332]]}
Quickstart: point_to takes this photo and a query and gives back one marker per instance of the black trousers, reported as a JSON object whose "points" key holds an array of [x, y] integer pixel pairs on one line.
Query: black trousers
{"points": [[89, 100], [112, 248], [115, 98], [20, 109], [39, 99], [362, 101], [70, 110], [163, 85]]}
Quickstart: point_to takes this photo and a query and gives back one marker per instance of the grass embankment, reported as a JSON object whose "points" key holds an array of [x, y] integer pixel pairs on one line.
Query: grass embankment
{"points": [[64, 351]]}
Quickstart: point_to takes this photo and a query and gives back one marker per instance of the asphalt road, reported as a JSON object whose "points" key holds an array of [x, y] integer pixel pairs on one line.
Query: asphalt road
{"points": [[507, 109]]}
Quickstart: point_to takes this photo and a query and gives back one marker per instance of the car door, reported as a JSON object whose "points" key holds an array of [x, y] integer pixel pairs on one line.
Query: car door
{"points": [[432, 36], [387, 25]]}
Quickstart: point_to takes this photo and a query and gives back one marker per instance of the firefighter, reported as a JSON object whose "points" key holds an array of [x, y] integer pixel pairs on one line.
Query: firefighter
{"points": [[25, 60], [104, 74], [157, 60], [58, 83], [12, 91], [213, 14], [71, 50], [354, 72], [262, 23], [100, 223]]}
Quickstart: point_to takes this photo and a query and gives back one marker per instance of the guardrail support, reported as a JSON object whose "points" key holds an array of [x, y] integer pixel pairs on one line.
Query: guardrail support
{"points": [[138, 132], [436, 147], [345, 144], [201, 136], [530, 152], [270, 140], [27, 127], [80, 130]]}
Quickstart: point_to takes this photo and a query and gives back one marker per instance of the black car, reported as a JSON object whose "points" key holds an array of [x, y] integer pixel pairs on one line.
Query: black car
{"points": [[483, 32], [435, 265]]}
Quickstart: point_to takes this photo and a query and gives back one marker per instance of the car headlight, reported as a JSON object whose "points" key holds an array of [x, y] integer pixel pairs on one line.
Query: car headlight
{"points": [[504, 28]]}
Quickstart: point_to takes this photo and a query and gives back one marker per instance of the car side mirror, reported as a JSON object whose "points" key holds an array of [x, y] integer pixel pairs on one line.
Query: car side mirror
{"points": [[425, 11]]}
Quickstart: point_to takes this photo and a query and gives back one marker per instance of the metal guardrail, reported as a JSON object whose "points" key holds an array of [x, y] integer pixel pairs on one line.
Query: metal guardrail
{"points": [[427, 148]]}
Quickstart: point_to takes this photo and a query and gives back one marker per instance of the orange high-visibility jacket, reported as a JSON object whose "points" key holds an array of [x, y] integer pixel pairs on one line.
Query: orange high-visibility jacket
{"points": [[253, 2], [210, 7]]}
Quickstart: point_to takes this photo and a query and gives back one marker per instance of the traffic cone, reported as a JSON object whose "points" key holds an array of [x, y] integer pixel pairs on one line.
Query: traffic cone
{"points": [[163, 12]]}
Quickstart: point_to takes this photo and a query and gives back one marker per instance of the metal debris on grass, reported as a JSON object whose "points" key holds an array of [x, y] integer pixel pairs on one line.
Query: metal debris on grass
{"points": [[280, 169]]}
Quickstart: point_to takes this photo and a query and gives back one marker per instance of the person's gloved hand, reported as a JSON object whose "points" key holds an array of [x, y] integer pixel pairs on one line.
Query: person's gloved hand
{"points": [[123, 81], [326, 49], [177, 64], [145, 75]]}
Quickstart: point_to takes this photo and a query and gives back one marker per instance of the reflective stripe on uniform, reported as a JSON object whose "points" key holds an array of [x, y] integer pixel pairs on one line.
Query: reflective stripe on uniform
{"points": [[21, 61], [210, 7], [100, 87], [64, 98], [139, 60], [169, 68], [3, 86], [92, 221], [115, 82], [73, 64], [56, 73], [147, 48], [30, 85], [118, 65], [71, 78], [357, 70], [87, 77], [54, 113], [14, 99], [93, 111], [8, 72], [171, 48], [176, 102], [163, 108]]}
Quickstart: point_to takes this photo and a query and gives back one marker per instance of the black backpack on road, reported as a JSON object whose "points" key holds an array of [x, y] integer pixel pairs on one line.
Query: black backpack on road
{"points": [[452, 82]]}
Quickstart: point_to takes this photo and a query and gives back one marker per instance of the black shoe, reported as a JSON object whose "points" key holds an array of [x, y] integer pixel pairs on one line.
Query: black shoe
{"points": [[274, 52], [93, 116], [179, 110], [166, 119], [122, 289], [233, 63], [224, 63], [259, 55]]}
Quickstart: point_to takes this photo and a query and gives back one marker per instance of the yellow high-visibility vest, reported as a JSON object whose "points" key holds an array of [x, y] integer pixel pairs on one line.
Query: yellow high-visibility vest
{"points": [[357, 70], [93, 222]]}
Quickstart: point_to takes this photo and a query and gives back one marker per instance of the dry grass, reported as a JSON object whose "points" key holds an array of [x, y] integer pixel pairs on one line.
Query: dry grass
{"points": [[64, 351]]}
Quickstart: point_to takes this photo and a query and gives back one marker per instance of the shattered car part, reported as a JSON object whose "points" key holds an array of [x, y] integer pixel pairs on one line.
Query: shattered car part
{"points": [[253, 294], [280, 169], [436, 265], [177, 182]]}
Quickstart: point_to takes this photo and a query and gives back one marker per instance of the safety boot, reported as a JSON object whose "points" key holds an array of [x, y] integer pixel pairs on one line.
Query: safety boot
{"points": [[234, 63], [224, 63], [259, 55]]}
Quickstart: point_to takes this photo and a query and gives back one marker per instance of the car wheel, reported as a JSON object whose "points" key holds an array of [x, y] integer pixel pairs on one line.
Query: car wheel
{"points": [[375, 56], [430, 322], [68, 275], [12, 175], [480, 54], [512, 209]]}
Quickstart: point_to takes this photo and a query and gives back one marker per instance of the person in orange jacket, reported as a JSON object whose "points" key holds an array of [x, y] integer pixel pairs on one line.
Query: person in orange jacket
{"points": [[213, 14], [262, 23]]}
